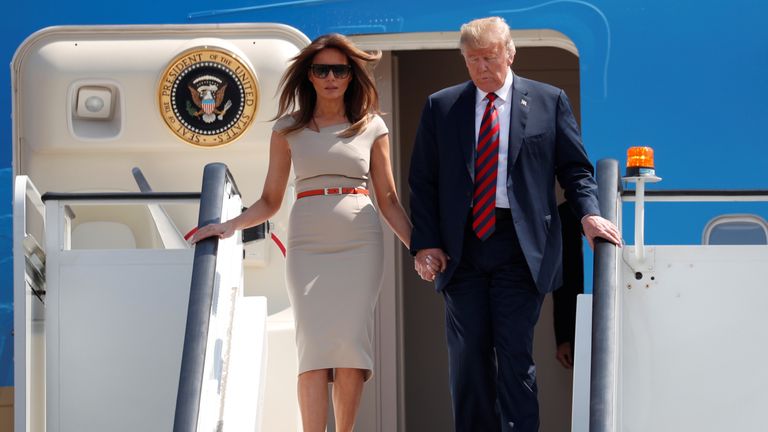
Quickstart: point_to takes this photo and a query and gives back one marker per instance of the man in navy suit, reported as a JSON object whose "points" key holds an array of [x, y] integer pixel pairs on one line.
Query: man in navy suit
{"points": [[486, 226]]}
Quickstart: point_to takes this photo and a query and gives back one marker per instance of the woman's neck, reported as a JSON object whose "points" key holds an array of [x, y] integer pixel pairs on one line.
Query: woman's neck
{"points": [[327, 113], [330, 110]]}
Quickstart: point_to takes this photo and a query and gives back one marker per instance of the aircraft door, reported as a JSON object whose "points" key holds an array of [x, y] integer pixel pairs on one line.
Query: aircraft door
{"points": [[90, 103]]}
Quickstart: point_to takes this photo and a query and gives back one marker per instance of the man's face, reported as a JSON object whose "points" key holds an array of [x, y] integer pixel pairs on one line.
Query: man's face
{"points": [[488, 66]]}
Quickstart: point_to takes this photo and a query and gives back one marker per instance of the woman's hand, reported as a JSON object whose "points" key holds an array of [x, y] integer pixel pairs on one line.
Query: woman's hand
{"points": [[221, 230], [429, 262]]}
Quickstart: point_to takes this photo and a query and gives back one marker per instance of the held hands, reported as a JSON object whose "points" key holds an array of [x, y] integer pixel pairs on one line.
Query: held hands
{"points": [[429, 262], [596, 226], [221, 230]]}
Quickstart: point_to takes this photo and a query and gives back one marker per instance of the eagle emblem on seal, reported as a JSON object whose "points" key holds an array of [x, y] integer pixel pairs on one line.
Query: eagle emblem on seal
{"points": [[207, 93], [208, 96]]}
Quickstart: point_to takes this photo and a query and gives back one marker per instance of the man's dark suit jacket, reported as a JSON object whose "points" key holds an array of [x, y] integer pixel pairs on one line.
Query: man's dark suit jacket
{"points": [[544, 143]]}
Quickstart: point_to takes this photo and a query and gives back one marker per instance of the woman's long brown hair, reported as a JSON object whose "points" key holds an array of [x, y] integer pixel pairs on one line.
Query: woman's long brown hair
{"points": [[298, 94]]}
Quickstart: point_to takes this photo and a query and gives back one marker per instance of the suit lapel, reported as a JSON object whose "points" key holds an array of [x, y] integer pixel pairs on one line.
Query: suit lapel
{"points": [[520, 106], [465, 119]]}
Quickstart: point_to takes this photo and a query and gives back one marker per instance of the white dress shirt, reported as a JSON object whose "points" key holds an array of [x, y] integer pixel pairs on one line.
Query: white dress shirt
{"points": [[503, 106]]}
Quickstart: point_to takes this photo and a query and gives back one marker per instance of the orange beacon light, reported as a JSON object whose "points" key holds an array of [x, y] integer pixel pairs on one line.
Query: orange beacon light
{"points": [[640, 162]]}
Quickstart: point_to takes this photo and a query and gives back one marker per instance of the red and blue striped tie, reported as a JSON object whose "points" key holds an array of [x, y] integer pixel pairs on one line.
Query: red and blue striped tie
{"points": [[486, 164]]}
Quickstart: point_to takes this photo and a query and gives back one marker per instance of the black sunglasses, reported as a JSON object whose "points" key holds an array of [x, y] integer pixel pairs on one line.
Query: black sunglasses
{"points": [[321, 71]]}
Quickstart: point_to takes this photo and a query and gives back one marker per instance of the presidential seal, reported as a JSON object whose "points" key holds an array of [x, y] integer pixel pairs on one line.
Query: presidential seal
{"points": [[208, 96]]}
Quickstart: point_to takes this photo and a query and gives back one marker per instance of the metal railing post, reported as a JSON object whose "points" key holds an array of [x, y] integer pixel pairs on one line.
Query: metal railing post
{"points": [[602, 416]]}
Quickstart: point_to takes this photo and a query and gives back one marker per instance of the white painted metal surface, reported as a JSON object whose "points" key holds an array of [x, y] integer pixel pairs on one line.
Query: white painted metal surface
{"points": [[118, 333], [28, 310], [114, 333], [244, 400], [228, 283], [582, 364], [691, 348], [690, 324], [281, 408]]}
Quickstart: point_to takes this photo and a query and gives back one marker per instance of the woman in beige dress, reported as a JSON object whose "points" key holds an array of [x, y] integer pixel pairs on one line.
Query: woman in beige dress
{"points": [[329, 128]]}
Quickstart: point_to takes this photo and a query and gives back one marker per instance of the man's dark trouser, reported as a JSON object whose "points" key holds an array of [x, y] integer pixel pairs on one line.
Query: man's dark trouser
{"points": [[492, 306]]}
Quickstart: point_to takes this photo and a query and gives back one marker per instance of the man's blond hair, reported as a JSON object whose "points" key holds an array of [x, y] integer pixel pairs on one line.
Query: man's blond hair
{"points": [[484, 32]]}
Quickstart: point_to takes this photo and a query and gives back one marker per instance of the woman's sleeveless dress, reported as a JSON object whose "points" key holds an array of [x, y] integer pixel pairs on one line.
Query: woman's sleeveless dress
{"points": [[334, 252]]}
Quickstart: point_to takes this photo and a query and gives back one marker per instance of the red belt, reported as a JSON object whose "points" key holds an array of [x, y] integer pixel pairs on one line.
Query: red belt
{"points": [[332, 191]]}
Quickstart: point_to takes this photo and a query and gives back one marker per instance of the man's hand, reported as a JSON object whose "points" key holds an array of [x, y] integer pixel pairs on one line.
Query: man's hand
{"points": [[565, 355], [429, 262], [596, 226]]}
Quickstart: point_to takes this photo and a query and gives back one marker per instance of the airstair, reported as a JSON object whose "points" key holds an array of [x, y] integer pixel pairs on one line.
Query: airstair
{"points": [[113, 336], [671, 337]]}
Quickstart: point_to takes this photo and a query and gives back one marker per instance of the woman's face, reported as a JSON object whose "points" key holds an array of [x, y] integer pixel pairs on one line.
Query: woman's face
{"points": [[331, 63]]}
